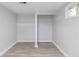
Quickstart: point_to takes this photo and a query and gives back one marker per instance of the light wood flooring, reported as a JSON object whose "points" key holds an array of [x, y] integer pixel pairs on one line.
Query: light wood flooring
{"points": [[24, 49]]}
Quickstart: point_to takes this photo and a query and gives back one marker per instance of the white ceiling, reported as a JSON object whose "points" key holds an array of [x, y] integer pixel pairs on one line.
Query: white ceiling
{"points": [[32, 7]]}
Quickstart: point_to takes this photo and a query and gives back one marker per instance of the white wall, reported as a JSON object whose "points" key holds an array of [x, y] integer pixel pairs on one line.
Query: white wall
{"points": [[26, 28], [7, 28], [67, 33], [45, 28]]}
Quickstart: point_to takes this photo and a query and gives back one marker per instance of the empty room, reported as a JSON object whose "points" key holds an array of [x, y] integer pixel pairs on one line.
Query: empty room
{"points": [[39, 29]]}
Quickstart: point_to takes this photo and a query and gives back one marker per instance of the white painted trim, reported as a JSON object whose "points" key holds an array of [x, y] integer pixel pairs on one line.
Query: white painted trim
{"points": [[36, 39], [44, 40], [59, 48], [3, 52], [25, 41]]}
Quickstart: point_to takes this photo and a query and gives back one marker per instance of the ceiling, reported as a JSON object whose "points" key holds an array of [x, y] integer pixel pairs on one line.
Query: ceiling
{"points": [[32, 7]]}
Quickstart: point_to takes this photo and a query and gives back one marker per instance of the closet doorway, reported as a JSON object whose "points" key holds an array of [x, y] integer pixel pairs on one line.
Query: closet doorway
{"points": [[44, 28]]}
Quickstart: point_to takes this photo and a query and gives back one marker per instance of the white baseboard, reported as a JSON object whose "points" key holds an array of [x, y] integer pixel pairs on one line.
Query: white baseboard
{"points": [[66, 55], [3, 52], [25, 41], [33, 41]]}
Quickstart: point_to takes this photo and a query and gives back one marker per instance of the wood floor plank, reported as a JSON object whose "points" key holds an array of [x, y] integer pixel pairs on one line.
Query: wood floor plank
{"points": [[24, 49]]}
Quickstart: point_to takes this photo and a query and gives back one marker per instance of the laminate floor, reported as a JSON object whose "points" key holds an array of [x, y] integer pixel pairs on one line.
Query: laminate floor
{"points": [[24, 49]]}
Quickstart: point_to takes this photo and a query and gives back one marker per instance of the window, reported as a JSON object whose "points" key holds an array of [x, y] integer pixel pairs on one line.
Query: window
{"points": [[72, 11]]}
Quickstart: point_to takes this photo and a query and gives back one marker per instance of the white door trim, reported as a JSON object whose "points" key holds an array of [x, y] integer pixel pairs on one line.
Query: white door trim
{"points": [[36, 33]]}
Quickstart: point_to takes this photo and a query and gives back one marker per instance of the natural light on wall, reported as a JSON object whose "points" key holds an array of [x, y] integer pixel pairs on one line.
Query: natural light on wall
{"points": [[72, 10]]}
